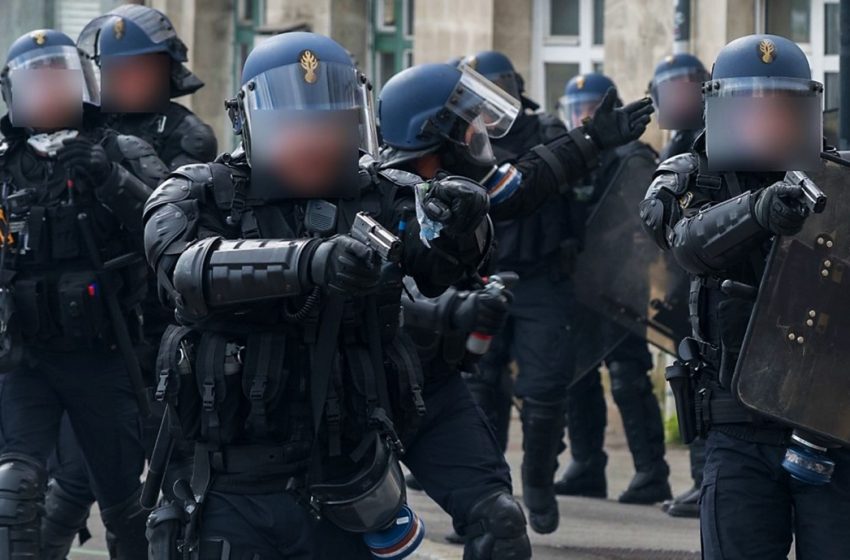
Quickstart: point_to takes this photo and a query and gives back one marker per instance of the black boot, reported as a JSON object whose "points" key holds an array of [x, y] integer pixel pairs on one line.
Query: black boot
{"points": [[586, 420], [64, 518], [644, 429], [543, 434], [126, 521], [684, 505]]}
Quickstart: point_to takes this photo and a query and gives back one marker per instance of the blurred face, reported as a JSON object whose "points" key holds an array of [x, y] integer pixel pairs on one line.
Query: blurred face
{"points": [[681, 99], [769, 126], [136, 84], [47, 98], [307, 156]]}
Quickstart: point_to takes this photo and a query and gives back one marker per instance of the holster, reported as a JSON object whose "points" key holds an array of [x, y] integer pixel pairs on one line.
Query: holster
{"points": [[165, 529], [680, 377]]}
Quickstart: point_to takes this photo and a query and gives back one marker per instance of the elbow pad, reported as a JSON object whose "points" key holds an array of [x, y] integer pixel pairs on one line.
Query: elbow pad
{"points": [[718, 236], [125, 195]]}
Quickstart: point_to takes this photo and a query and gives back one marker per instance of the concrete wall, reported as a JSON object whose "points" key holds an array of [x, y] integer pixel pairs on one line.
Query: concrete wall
{"points": [[316, 14], [349, 24], [637, 36], [512, 32], [449, 28]]}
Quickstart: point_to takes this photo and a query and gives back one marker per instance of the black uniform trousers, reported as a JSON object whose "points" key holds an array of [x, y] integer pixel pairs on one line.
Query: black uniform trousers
{"points": [[94, 390], [750, 507]]}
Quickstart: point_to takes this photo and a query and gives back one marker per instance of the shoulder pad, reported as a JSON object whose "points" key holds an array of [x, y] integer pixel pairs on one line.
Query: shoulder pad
{"points": [[681, 164], [197, 138], [401, 178], [187, 182], [141, 159]]}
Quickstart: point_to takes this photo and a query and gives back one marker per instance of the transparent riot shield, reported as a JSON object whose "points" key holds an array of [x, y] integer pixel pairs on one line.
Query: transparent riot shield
{"points": [[794, 360], [624, 283]]}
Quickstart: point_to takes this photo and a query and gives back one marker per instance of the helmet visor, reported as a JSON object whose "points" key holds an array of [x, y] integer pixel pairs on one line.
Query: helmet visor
{"points": [[763, 124], [477, 97], [307, 124], [577, 107], [48, 88]]}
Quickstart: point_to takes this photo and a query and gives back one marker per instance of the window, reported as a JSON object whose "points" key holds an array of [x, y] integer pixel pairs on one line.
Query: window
{"points": [[789, 18], [392, 38], [557, 76], [831, 28], [567, 39], [563, 18], [598, 22], [832, 91]]}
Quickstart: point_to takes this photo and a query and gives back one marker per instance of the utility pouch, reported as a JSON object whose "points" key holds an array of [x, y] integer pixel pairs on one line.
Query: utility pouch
{"points": [[81, 308], [65, 242], [11, 348], [176, 385], [681, 382], [33, 311]]}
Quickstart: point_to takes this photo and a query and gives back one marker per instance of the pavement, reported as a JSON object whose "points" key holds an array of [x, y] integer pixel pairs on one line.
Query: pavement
{"points": [[590, 529]]}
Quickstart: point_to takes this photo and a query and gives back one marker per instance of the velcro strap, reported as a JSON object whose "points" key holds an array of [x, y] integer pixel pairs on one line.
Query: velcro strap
{"points": [[589, 151], [211, 356]]}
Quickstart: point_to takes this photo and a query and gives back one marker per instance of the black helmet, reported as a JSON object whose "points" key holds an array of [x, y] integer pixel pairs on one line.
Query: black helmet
{"points": [[762, 109]]}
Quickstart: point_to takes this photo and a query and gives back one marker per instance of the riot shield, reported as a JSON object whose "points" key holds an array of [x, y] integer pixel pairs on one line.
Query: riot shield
{"points": [[624, 282], [794, 360]]}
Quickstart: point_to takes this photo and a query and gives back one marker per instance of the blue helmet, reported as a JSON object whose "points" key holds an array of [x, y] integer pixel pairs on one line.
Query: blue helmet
{"points": [[582, 95], [762, 109], [134, 30], [429, 106], [22, 85], [498, 68], [676, 91], [306, 82]]}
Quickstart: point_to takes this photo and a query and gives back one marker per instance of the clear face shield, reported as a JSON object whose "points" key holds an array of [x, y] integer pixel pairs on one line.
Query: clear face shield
{"points": [[576, 107], [306, 126], [485, 111], [48, 88], [763, 124], [677, 95]]}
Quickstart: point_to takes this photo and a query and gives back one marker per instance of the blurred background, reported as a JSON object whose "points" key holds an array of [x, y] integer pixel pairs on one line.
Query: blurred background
{"points": [[549, 40]]}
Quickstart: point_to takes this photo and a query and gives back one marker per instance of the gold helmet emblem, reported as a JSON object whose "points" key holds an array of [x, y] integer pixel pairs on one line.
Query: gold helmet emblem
{"points": [[669, 58], [309, 63], [118, 28], [580, 82], [767, 51], [39, 37]]}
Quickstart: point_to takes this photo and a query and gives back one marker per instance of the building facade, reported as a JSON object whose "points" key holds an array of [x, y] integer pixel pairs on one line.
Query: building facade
{"points": [[549, 40]]}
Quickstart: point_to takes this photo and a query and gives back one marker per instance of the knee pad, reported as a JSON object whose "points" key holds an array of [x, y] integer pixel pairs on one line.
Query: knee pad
{"points": [[126, 521], [64, 517], [495, 529], [23, 481]]}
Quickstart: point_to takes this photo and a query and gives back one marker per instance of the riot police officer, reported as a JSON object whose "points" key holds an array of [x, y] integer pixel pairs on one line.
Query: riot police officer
{"points": [[676, 93], [139, 57], [72, 281], [545, 239], [428, 133], [676, 90], [628, 362], [717, 210], [289, 374], [454, 455], [141, 60]]}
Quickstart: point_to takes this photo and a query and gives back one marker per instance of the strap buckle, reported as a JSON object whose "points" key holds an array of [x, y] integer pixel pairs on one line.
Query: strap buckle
{"points": [[208, 397], [162, 385]]}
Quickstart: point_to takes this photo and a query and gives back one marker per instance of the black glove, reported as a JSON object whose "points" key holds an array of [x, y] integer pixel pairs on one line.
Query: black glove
{"points": [[86, 159], [345, 265], [613, 126], [779, 209], [458, 203], [480, 311]]}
